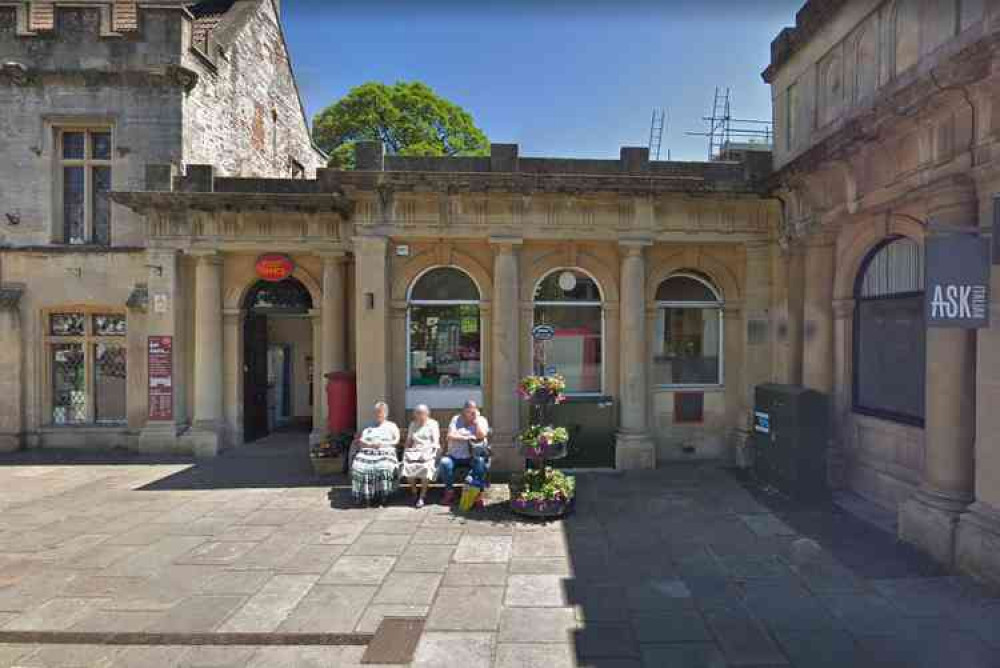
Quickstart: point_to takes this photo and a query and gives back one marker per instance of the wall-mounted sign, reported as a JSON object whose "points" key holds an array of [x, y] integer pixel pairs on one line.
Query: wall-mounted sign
{"points": [[957, 278], [543, 332], [761, 422], [161, 302], [402, 250], [274, 267], [161, 377]]}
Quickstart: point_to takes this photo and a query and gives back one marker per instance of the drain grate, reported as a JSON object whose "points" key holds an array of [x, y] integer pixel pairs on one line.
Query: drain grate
{"points": [[395, 641]]}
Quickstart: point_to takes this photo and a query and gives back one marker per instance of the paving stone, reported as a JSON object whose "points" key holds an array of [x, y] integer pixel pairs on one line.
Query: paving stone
{"points": [[436, 536], [329, 609], [111, 621], [475, 575], [316, 559], [822, 649], [217, 657], [534, 625], [668, 594], [269, 607], [270, 554], [243, 533], [746, 644], [466, 609], [375, 613], [536, 545], [101, 557], [687, 655], [866, 614], [536, 591], [149, 657], [237, 582], [358, 571], [766, 525], [69, 656], [425, 559], [541, 566], [217, 553], [300, 657], [598, 602], [600, 641], [670, 627], [484, 549], [342, 533], [929, 648], [391, 527], [58, 614], [754, 566], [162, 590], [409, 588], [454, 650], [155, 557], [520, 655], [199, 614], [789, 610], [378, 545], [273, 517]]}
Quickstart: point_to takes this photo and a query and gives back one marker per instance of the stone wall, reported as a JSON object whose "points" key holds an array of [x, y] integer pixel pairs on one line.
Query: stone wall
{"points": [[244, 117]]}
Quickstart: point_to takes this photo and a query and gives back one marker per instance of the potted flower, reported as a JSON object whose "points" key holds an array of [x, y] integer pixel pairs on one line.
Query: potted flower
{"points": [[542, 389], [544, 442], [330, 455], [544, 492]]}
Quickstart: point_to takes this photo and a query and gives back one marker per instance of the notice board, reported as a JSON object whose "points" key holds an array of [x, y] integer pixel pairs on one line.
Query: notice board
{"points": [[161, 378]]}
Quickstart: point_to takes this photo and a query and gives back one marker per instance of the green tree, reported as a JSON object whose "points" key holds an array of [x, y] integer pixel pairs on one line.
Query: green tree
{"points": [[408, 117]]}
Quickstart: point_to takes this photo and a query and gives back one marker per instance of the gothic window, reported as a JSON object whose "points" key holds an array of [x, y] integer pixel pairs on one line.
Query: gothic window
{"points": [[84, 176], [86, 352], [866, 63], [889, 333], [907, 34], [831, 88]]}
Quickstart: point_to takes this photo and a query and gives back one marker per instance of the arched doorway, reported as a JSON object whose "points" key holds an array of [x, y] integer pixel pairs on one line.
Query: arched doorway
{"points": [[277, 351]]}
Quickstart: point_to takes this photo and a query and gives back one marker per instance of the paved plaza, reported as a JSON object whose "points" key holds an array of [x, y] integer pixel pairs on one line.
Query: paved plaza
{"points": [[680, 567]]}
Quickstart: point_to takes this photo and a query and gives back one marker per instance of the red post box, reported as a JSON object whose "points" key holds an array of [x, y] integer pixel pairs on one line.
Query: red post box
{"points": [[341, 401]]}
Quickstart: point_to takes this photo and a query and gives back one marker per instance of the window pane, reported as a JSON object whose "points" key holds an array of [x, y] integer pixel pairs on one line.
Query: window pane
{"points": [[66, 324], [109, 383], [567, 285], [684, 289], [73, 198], [445, 345], [100, 145], [72, 145], [686, 351], [101, 183], [445, 284], [575, 350], [889, 356], [110, 325], [69, 400]]}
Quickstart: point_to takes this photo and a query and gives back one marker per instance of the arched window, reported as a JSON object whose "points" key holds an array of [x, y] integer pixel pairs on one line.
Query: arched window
{"points": [[569, 301], [889, 333], [444, 330], [907, 33], [286, 296], [687, 349]]}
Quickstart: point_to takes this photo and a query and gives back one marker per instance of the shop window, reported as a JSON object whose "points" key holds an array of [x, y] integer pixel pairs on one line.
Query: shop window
{"points": [[84, 177], [687, 348], [87, 354], [889, 333], [445, 334], [569, 301]]}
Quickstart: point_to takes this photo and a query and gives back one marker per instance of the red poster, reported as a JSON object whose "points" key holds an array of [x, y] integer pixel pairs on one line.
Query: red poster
{"points": [[161, 378]]}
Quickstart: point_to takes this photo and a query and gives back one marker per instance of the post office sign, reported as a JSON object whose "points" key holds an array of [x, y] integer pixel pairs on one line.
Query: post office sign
{"points": [[274, 267], [957, 281]]}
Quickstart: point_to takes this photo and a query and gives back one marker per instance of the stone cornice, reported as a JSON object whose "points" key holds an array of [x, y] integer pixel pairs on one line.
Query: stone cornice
{"points": [[175, 76], [809, 20], [166, 202]]}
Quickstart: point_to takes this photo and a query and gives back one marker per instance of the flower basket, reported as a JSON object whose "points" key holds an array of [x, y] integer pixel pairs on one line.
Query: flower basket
{"points": [[542, 509], [544, 442], [329, 457], [543, 493], [542, 390]]}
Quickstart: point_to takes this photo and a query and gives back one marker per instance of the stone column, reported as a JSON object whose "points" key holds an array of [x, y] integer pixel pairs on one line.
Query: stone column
{"points": [[756, 357], [165, 319], [734, 353], [817, 343], [371, 321], [232, 390], [331, 354], [634, 446], [843, 387], [208, 358], [317, 318], [12, 358], [930, 517], [506, 337]]}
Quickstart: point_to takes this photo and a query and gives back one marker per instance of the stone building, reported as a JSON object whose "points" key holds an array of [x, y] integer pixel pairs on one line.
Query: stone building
{"points": [[887, 120], [91, 92]]}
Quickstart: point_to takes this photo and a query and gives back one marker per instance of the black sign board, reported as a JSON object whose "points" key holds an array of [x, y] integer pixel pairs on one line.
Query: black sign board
{"points": [[957, 279]]}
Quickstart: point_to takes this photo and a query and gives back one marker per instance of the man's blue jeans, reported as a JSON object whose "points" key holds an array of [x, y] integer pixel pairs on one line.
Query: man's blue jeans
{"points": [[447, 466]]}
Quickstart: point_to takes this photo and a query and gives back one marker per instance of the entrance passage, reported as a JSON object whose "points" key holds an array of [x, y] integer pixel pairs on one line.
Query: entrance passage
{"points": [[277, 358]]}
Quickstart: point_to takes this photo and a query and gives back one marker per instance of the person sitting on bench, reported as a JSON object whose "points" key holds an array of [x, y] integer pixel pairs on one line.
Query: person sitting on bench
{"points": [[423, 441], [465, 447], [374, 465]]}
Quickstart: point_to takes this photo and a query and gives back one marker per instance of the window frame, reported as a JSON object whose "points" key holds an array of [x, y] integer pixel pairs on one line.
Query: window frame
{"points": [[856, 407], [410, 303], [89, 340], [576, 304], [719, 305], [88, 163]]}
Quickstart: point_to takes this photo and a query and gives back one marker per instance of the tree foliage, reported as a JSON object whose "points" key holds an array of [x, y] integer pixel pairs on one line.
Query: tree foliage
{"points": [[408, 117]]}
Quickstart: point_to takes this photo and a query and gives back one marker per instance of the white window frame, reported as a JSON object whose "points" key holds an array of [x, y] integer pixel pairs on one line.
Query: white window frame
{"points": [[719, 304], [443, 397], [88, 164], [580, 304]]}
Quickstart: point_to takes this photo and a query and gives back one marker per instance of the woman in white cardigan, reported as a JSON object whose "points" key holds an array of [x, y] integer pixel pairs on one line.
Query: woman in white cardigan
{"points": [[420, 453]]}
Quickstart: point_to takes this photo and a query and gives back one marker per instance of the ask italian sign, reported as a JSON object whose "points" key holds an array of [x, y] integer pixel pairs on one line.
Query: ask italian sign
{"points": [[957, 281]]}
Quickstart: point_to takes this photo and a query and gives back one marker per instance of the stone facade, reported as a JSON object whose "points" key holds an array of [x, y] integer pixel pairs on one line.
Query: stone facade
{"points": [[168, 82], [887, 128]]}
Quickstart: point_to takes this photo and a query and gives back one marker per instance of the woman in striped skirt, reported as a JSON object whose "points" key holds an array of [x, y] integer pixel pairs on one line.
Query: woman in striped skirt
{"points": [[375, 467]]}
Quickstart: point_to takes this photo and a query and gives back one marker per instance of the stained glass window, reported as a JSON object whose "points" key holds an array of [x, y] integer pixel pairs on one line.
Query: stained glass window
{"points": [[86, 157]]}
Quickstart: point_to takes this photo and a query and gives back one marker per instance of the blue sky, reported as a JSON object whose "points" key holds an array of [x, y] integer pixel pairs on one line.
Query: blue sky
{"points": [[569, 79]]}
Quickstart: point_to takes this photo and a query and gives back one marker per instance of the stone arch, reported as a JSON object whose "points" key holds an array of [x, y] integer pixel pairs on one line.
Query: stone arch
{"points": [[718, 272], [421, 263], [234, 298], [606, 278], [857, 241]]}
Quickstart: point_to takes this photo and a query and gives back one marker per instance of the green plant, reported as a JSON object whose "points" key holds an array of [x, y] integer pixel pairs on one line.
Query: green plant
{"points": [[540, 439], [547, 484], [333, 446], [542, 386]]}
